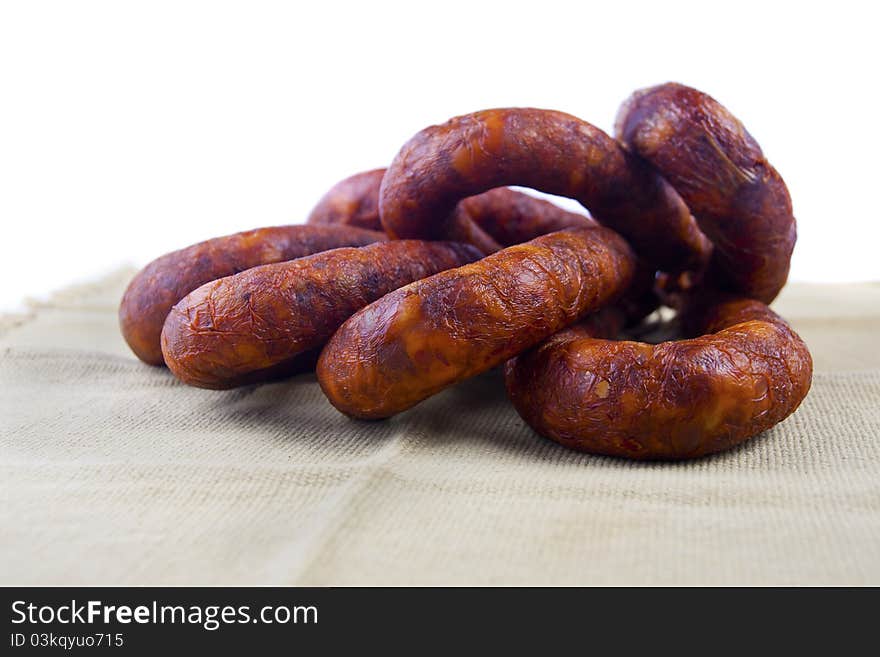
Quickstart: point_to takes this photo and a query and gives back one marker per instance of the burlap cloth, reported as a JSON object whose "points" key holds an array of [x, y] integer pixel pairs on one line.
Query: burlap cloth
{"points": [[113, 473]]}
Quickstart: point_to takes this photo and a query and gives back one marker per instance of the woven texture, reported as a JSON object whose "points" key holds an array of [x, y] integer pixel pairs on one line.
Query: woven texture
{"points": [[113, 473]]}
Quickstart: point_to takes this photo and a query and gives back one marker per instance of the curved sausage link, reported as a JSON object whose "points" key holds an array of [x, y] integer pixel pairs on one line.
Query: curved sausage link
{"points": [[511, 217], [251, 326], [352, 202], [508, 216], [673, 400], [504, 215], [417, 340], [546, 150], [166, 280], [739, 200]]}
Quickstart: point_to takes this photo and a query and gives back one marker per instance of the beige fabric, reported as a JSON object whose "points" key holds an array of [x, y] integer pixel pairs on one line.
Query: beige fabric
{"points": [[113, 473]]}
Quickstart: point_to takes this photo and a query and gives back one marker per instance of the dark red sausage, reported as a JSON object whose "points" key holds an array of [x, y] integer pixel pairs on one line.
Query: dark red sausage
{"points": [[545, 150], [166, 280], [673, 400], [511, 217], [248, 327], [740, 201], [507, 216], [352, 202], [691, 397], [430, 334]]}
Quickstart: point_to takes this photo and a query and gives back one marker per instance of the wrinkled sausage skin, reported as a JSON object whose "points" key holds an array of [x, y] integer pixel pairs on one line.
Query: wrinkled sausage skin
{"points": [[166, 280], [673, 400], [511, 217], [747, 371], [546, 150], [352, 202], [425, 336], [506, 215], [739, 200], [247, 327]]}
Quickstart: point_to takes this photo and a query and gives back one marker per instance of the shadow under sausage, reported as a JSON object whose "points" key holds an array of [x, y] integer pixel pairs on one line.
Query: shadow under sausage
{"points": [[475, 411], [295, 409], [478, 411]]}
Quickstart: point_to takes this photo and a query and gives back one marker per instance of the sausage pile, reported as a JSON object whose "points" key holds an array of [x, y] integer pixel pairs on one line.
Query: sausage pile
{"points": [[408, 280]]}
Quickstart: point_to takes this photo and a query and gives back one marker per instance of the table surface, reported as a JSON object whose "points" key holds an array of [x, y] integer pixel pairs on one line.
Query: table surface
{"points": [[114, 473]]}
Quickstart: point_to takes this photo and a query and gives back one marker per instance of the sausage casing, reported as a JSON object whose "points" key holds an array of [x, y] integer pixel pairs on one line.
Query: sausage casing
{"points": [[352, 202], [511, 217], [546, 150], [739, 200], [250, 326], [430, 334], [166, 280], [673, 400], [506, 215]]}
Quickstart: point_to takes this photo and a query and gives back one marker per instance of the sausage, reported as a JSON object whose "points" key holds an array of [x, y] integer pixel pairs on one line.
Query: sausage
{"points": [[685, 398], [546, 150], [432, 333], [739, 200], [740, 369], [674, 400], [352, 202], [166, 280], [511, 217], [248, 327], [507, 216]]}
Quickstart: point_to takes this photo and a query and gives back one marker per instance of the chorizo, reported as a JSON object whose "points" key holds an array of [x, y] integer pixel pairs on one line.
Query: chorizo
{"points": [[435, 332], [251, 326], [546, 150], [352, 202], [506, 215], [511, 217], [166, 280], [747, 371], [355, 200], [739, 200], [673, 400]]}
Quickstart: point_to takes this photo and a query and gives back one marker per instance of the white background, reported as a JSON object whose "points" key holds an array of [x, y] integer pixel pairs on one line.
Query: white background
{"points": [[128, 129]]}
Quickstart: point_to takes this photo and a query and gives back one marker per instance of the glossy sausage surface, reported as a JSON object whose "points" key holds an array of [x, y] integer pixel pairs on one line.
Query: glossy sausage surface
{"points": [[673, 400], [545, 150], [506, 215], [430, 334], [166, 280], [351, 202], [746, 370], [739, 200], [511, 217], [250, 326]]}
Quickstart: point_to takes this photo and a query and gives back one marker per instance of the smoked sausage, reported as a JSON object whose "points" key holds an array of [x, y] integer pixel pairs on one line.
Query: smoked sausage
{"points": [[352, 202], [548, 151], [508, 216], [423, 337], [248, 327], [746, 369], [739, 200], [166, 280], [511, 217], [673, 400]]}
